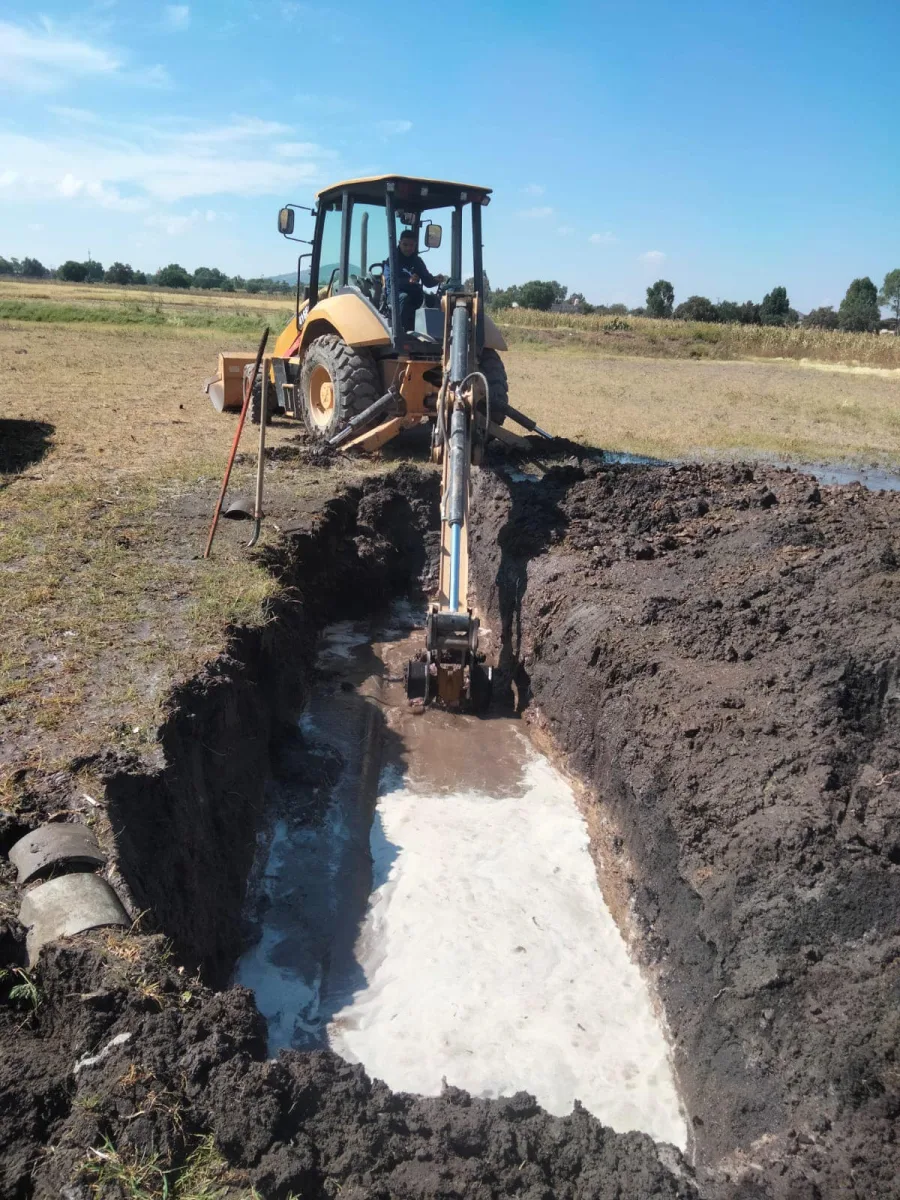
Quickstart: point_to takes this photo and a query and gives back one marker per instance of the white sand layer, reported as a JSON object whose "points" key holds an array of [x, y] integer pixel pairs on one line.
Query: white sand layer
{"points": [[492, 962]]}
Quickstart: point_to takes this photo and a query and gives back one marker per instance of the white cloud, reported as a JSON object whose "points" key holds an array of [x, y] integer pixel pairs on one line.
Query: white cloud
{"points": [[133, 167], [603, 239], [152, 77], [652, 257], [177, 16], [46, 58], [302, 150], [81, 115], [41, 59], [176, 225], [565, 230], [534, 189], [536, 214], [238, 129], [70, 186], [392, 128]]}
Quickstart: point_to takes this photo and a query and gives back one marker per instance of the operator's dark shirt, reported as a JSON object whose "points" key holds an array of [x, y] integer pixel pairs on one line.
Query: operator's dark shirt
{"points": [[410, 264]]}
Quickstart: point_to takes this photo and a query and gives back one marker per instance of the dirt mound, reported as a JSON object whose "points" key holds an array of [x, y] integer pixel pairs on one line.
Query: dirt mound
{"points": [[122, 1074], [715, 650], [168, 1067]]}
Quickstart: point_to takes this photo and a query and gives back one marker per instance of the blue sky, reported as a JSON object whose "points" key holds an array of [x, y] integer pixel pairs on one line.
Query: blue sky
{"points": [[727, 147]]}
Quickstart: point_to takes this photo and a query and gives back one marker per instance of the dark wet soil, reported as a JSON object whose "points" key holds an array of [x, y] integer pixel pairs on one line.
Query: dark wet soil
{"points": [[716, 651], [174, 1064]]}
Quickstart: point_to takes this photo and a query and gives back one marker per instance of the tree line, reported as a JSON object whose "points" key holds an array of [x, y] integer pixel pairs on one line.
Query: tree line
{"points": [[172, 276], [859, 311]]}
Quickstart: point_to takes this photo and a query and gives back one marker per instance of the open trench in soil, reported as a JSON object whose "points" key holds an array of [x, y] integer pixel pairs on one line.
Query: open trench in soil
{"points": [[414, 899]]}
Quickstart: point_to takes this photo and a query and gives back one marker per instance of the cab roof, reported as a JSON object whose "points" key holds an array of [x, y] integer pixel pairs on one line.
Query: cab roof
{"points": [[408, 189]]}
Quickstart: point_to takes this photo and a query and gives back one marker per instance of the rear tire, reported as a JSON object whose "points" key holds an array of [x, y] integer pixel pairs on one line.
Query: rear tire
{"points": [[493, 369], [337, 381], [256, 395]]}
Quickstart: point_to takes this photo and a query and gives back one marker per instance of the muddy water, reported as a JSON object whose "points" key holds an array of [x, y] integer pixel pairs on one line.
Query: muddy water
{"points": [[442, 920]]}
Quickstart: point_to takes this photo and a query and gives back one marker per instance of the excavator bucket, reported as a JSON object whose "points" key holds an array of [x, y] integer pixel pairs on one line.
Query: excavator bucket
{"points": [[226, 388]]}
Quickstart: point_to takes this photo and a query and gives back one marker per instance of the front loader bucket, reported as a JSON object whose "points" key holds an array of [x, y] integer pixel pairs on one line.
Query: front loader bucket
{"points": [[226, 388]]}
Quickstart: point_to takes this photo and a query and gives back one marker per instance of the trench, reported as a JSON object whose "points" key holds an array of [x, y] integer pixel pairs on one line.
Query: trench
{"points": [[418, 892], [424, 903]]}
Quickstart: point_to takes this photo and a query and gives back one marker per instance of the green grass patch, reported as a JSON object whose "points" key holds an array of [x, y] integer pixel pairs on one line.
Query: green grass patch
{"points": [[153, 315]]}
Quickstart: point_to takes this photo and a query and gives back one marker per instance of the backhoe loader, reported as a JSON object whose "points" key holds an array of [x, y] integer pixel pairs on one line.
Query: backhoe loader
{"points": [[347, 368]]}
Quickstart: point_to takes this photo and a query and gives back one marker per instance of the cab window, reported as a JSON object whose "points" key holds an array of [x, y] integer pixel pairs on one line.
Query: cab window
{"points": [[330, 255], [368, 238]]}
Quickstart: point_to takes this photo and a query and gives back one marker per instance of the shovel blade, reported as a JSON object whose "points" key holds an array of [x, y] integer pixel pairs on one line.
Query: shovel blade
{"points": [[240, 509]]}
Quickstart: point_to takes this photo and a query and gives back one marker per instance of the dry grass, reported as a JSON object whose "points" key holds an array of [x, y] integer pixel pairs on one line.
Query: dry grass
{"points": [[105, 597], [673, 409], [50, 302], [134, 1175], [108, 293], [695, 339]]}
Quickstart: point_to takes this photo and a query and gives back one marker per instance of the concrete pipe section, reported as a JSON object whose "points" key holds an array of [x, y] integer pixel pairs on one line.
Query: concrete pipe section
{"points": [[70, 903], [53, 846], [65, 906], [425, 903]]}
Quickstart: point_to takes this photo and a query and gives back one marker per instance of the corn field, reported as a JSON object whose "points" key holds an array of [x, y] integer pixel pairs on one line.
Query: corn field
{"points": [[696, 339]]}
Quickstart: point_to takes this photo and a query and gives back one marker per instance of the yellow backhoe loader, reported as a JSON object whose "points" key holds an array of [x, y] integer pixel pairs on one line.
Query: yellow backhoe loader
{"points": [[348, 368]]}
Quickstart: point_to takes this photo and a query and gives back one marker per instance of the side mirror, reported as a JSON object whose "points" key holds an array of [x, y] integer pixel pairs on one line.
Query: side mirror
{"points": [[286, 221], [433, 235]]}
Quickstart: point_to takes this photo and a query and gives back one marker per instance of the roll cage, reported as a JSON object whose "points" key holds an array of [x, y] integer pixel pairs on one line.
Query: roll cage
{"points": [[411, 198]]}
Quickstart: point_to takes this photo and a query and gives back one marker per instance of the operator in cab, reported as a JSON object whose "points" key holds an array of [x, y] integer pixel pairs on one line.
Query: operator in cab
{"points": [[411, 275]]}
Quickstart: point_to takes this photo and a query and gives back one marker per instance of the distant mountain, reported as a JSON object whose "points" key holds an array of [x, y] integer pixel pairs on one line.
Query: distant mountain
{"points": [[325, 270]]}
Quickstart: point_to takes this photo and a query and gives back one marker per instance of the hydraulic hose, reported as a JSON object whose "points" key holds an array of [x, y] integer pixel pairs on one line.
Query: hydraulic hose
{"points": [[459, 343], [456, 496]]}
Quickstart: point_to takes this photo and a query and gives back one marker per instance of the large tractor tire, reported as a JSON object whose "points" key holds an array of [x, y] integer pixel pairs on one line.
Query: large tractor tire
{"points": [[336, 382], [494, 371]]}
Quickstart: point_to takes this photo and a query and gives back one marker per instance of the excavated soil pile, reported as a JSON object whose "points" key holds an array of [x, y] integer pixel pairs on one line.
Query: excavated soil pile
{"points": [[123, 1076], [715, 649]]}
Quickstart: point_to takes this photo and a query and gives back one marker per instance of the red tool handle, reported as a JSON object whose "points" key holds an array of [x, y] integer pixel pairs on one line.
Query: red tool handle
{"points": [[248, 390]]}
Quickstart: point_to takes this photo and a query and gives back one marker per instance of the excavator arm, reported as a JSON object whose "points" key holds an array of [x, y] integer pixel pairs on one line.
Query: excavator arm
{"points": [[450, 670]]}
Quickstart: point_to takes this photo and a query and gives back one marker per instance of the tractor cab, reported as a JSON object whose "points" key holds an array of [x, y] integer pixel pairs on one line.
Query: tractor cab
{"points": [[358, 225], [344, 364]]}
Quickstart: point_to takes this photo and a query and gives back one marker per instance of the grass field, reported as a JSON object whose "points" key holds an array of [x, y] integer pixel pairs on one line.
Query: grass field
{"points": [[105, 598], [94, 294], [112, 458], [694, 339], [710, 409], [100, 304]]}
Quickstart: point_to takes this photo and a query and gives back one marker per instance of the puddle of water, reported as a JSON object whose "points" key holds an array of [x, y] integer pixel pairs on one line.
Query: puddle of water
{"points": [[469, 941], [873, 478], [870, 477]]}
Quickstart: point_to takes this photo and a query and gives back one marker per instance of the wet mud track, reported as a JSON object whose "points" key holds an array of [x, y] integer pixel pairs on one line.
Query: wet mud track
{"points": [[442, 922]]}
